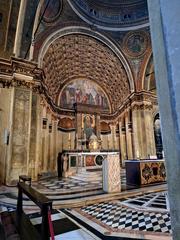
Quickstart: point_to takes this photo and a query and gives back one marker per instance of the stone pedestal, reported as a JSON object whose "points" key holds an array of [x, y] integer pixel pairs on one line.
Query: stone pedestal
{"points": [[111, 174]]}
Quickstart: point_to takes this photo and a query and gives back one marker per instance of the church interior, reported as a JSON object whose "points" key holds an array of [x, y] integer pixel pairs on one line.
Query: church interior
{"points": [[81, 150]]}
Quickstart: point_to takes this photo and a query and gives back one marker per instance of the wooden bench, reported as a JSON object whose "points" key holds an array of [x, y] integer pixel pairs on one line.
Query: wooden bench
{"points": [[25, 228]]}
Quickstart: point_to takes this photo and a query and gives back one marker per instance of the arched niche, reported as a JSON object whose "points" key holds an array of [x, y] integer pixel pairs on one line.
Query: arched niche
{"points": [[79, 55]]}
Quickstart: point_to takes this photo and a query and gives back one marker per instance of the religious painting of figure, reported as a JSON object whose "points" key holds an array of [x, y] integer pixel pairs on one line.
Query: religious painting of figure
{"points": [[83, 91], [135, 44], [88, 125]]}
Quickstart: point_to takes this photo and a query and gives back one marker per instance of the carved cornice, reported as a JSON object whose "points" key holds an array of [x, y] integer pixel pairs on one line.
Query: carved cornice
{"points": [[142, 100], [141, 106], [21, 66], [20, 73]]}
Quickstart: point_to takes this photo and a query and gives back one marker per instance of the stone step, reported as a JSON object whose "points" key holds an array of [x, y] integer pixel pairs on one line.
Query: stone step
{"points": [[88, 176]]}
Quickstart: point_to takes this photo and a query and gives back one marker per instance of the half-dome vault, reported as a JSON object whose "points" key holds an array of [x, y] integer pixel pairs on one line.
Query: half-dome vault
{"points": [[77, 56]]}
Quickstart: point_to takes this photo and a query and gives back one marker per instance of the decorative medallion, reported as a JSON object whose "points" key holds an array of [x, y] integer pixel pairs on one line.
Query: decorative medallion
{"points": [[99, 160], [51, 10], [135, 44]]}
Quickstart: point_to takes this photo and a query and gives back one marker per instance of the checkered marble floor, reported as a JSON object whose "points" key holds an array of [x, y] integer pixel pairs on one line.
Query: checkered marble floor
{"points": [[68, 184], [120, 217], [149, 201]]}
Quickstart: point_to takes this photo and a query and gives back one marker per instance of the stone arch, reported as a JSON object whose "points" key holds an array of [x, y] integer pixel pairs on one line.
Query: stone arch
{"points": [[111, 69], [88, 32]]}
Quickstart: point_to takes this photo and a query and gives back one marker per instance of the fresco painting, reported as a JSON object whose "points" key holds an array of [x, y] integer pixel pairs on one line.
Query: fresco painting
{"points": [[83, 91]]}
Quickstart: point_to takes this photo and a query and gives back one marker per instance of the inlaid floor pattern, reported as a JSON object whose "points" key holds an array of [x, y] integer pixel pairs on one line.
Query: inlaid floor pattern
{"points": [[149, 201], [73, 184], [120, 217]]}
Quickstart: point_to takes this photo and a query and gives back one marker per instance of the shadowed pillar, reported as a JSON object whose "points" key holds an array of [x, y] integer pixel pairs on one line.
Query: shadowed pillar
{"points": [[165, 33]]}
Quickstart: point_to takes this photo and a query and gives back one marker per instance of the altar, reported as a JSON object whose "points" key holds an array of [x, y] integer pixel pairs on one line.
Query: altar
{"points": [[107, 162], [82, 161], [144, 172]]}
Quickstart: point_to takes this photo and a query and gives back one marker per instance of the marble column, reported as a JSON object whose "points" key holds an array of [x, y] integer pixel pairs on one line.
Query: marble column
{"points": [[45, 144], [39, 160], [33, 137], [165, 34], [143, 132], [20, 135], [128, 126], [117, 143], [55, 154], [51, 146], [49, 140], [123, 149], [138, 130], [149, 131], [59, 140], [78, 130], [6, 120]]}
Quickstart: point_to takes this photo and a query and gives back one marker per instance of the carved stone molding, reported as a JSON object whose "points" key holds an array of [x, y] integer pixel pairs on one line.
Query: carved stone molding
{"points": [[20, 73], [142, 106]]}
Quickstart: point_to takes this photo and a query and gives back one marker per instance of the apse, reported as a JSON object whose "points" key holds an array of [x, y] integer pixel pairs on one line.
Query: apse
{"points": [[78, 56]]}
